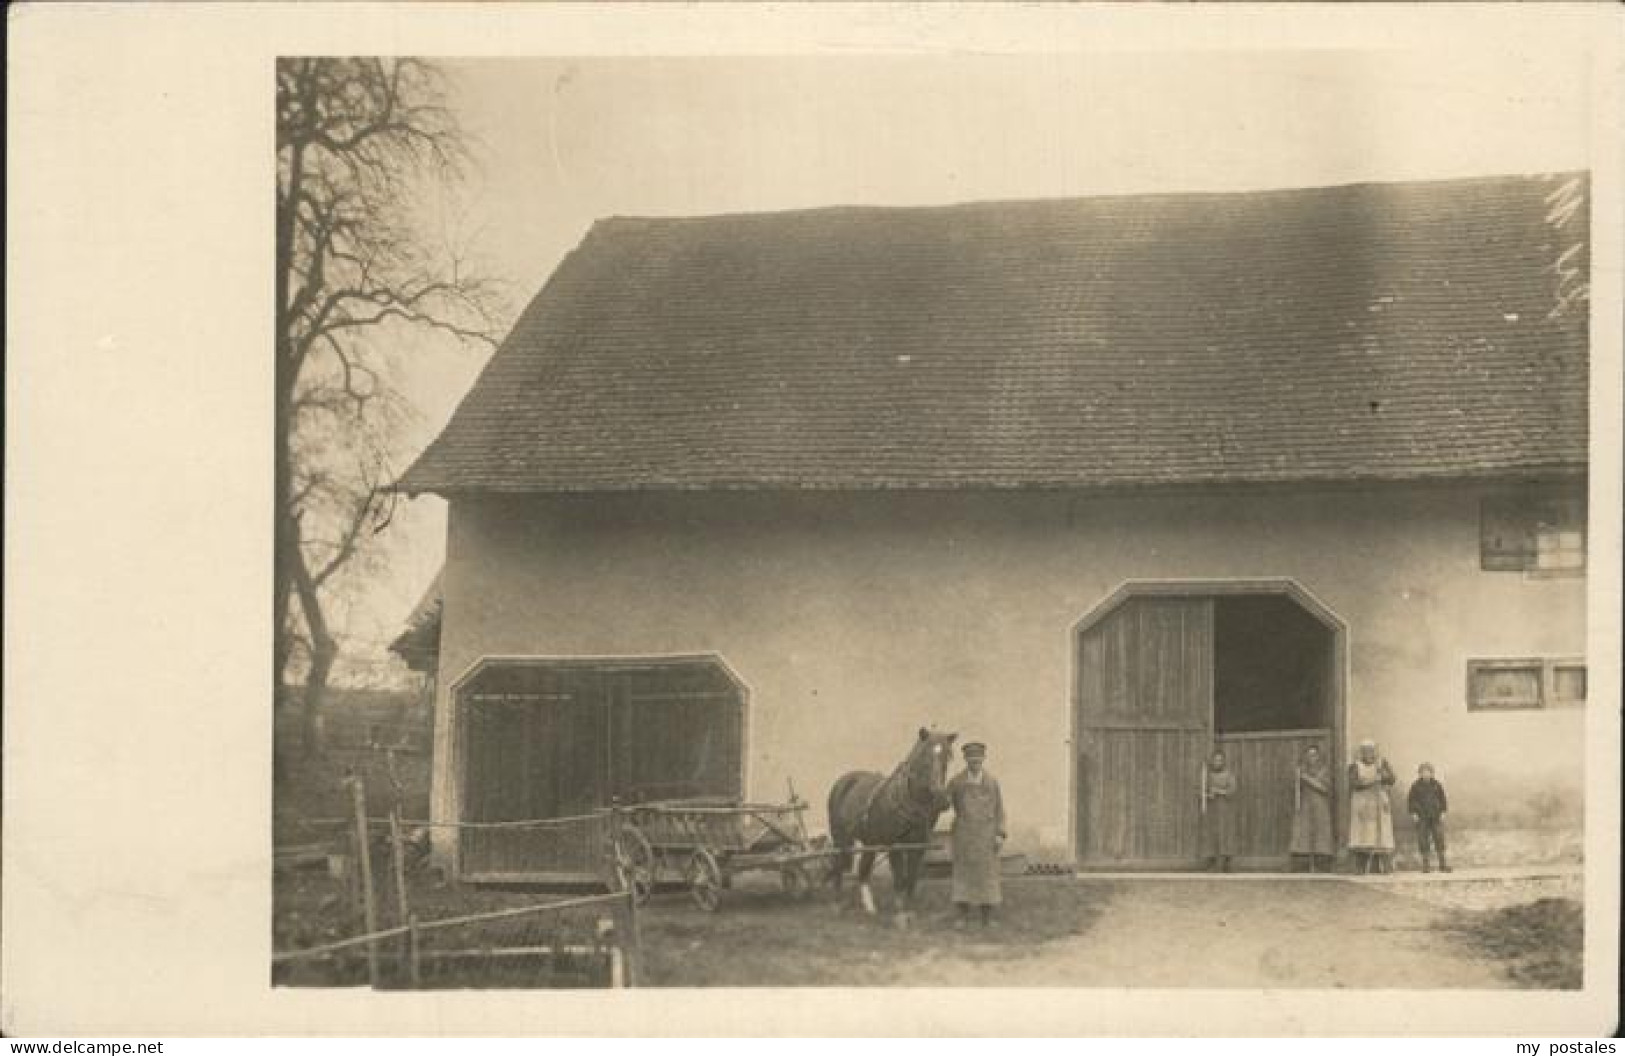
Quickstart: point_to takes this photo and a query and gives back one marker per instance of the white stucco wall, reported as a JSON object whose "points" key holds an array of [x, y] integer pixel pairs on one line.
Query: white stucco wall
{"points": [[857, 619]]}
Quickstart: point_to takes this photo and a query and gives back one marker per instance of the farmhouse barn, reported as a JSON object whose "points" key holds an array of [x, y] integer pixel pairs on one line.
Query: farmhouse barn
{"points": [[745, 500]]}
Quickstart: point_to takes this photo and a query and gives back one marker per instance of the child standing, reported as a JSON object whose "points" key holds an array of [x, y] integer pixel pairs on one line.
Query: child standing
{"points": [[1427, 806]]}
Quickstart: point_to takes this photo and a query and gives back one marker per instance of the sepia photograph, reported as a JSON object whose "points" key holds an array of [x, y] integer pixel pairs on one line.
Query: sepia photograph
{"points": [[927, 521], [689, 521]]}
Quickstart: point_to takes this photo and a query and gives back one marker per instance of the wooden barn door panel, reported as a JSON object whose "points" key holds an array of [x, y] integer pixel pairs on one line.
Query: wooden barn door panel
{"points": [[1147, 810], [1265, 765], [1145, 702], [534, 756], [675, 743]]}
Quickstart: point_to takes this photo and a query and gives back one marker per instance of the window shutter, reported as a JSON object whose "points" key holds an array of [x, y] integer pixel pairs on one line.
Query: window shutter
{"points": [[1503, 685], [1568, 683], [1507, 535]]}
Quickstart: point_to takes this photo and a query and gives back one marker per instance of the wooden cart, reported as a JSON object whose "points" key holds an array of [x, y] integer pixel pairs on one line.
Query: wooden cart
{"points": [[706, 842]]}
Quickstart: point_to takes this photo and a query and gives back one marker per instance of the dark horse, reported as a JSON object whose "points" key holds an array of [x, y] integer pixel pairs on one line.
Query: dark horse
{"points": [[872, 810]]}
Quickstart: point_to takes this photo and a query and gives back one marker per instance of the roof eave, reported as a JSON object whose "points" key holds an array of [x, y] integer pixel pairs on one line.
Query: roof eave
{"points": [[451, 489]]}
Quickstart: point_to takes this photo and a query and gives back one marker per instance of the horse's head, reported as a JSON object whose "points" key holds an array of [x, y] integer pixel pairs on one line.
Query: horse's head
{"points": [[928, 767]]}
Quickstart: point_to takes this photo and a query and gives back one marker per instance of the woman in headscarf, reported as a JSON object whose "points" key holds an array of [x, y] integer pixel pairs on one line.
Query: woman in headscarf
{"points": [[1218, 821], [1312, 816], [1371, 816]]}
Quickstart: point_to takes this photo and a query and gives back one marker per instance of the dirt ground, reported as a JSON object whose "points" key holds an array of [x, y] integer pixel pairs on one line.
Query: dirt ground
{"points": [[1185, 932], [761, 937], [1195, 931]]}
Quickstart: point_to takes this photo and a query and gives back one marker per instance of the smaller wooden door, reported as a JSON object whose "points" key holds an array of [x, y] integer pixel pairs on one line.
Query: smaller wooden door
{"points": [[1145, 693], [1265, 765]]}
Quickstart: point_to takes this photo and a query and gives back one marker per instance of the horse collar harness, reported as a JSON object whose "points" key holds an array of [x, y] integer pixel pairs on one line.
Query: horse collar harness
{"points": [[906, 806]]}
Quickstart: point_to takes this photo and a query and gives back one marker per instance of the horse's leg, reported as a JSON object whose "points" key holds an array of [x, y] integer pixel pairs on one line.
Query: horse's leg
{"points": [[866, 864], [903, 865], [837, 874], [839, 868], [838, 834]]}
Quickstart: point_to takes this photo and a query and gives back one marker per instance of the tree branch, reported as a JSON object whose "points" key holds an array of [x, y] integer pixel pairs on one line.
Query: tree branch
{"points": [[356, 140]]}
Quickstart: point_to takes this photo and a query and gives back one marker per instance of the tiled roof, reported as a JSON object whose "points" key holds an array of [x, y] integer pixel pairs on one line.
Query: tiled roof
{"points": [[1376, 331], [419, 643]]}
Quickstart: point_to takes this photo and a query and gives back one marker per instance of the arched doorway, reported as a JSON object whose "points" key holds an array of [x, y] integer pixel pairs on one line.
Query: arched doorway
{"points": [[560, 738], [1164, 672]]}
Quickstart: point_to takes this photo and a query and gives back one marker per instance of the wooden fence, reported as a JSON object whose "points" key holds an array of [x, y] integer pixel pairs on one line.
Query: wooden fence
{"points": [[579, 942], [369, 879]]}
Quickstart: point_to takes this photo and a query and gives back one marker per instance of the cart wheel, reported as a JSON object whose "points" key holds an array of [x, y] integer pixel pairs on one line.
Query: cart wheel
{"points": [[634, 863], [794, 880], [705, 880]]}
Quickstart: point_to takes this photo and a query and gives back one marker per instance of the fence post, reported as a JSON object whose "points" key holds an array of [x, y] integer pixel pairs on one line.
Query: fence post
{"points": [[632, 943], [397, 848], [358, 796], [352, 872], [415, 975]]}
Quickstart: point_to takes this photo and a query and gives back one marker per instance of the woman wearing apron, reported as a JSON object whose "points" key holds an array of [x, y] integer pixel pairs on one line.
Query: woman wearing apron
{"points": [[1371, 816]]}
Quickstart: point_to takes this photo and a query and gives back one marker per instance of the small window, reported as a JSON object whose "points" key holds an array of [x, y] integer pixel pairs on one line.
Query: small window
{"points": [[1517, 685], [1535, 531], [1568, 683]]}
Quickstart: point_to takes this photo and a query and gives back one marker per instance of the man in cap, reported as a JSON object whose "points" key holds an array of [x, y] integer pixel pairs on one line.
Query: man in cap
{"points": [[976, 836]]}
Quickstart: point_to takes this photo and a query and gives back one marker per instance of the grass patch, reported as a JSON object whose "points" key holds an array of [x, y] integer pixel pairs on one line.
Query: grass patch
{"points": [[1540, 943], [762, 937]]}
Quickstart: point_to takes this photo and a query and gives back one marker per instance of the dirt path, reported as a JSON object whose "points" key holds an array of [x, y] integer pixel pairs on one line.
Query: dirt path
{"points": [[1235, 932], [1211, 932]]}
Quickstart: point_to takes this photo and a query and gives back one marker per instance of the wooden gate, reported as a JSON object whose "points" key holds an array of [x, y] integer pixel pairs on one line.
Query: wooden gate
{"points": [[562, 739], [1264, 802], [1145, 694]]}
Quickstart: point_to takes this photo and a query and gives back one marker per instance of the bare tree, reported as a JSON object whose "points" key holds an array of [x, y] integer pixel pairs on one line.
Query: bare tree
{"points": [[358, 141]]}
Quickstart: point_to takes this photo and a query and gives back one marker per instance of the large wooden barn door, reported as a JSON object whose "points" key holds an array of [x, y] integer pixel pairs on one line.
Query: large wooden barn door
{"points": [[561, 740], [1145, 704]]}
